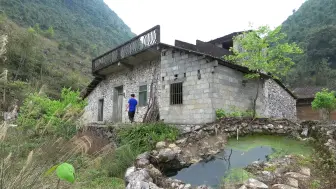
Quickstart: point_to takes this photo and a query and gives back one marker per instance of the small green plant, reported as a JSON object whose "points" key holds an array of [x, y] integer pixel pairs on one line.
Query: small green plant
{"points": [[325, 100], [233, 112], [270, 168], [236, 176], [315, 184]]}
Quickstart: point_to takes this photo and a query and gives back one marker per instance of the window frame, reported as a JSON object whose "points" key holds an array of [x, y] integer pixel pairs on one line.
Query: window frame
{"points": [[176, 93], [145, 92]]}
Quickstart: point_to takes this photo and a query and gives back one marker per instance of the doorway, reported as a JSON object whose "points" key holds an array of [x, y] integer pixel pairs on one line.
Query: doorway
{"points": [[118, 99]]}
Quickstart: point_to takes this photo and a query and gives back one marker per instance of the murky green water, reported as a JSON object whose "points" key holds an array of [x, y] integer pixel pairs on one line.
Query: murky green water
{"points": [[227, 165]]}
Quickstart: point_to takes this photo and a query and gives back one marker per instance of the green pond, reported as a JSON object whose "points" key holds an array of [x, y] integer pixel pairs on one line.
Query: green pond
{"points": [[228, 164]]}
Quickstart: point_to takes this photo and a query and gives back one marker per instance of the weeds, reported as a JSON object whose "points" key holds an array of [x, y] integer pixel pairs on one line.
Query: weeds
{"points": [[123, 158], [40, 115], [233, 112]]}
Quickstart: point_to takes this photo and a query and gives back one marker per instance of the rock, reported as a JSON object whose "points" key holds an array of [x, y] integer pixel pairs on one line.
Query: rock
{"points": [[166, 155], [155, 153], [172, 145], [243, 187], [305, 132], [181, 141], [142, 185], [292, 182], [177, 150], [187, 186], [266, 176], [305, 171], [160, 145], [279, 171], [138, 175], [129, 171], [270, 126], [141, 163], [203, 187], [330, 132], [295, 175], [253, 183], [153, 172], [282, 186], [144, 155], [142, 160]]}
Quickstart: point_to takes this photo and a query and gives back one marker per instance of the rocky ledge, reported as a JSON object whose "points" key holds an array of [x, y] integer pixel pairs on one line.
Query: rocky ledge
{"points": [[280, 173], [201, 143]]}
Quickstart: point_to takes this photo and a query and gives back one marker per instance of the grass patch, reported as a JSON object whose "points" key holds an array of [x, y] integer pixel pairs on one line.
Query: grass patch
{"points": [[282, 145], [123, 158], [145, 136], [236, 176]]}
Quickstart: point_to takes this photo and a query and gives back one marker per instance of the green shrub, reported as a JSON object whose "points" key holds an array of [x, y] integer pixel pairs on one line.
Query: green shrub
{"points": [[145, 136], [39, 114], [233, 112]]}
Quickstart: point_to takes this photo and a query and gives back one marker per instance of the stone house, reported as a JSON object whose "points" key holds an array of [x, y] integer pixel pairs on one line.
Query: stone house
{"points": [[305, 96], [190, 82]]}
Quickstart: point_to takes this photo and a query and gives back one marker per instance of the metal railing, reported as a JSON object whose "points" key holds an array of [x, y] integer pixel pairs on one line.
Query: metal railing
{"points": [[139, 43]]}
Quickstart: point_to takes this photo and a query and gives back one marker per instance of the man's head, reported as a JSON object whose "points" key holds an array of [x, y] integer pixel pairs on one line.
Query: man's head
{"points": [[132, 95]]}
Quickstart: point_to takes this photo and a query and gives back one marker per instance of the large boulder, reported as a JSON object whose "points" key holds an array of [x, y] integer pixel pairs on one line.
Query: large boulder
{"points": [[137, 175], [166, 155]]}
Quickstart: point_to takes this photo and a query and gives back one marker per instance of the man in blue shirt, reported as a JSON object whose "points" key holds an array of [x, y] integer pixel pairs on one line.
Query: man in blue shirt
{"points": [[131, 107]]}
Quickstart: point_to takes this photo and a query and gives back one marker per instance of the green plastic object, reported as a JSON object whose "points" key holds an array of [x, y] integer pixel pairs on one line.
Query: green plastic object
{"points": [[66, 171]]}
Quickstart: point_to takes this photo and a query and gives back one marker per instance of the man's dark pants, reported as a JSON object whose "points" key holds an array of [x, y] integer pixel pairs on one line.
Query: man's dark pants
{"points": [[131, 116]]}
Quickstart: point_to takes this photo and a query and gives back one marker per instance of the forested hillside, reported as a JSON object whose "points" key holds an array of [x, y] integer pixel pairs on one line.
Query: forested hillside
{"points": [[50, 44], [86, 24], [313, 27]]}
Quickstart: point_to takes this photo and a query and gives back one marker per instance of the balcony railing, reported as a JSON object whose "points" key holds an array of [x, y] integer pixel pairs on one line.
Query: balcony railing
{"points": [[139, 43]]}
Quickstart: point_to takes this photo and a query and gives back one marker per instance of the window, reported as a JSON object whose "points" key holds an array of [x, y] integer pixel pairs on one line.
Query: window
{"points": [[100, 109], [143, 95], [176, 93]]}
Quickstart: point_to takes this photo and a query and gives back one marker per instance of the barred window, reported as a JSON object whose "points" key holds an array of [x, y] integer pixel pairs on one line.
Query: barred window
{"points": [[176, 93], [143, 95], [100, 109]]}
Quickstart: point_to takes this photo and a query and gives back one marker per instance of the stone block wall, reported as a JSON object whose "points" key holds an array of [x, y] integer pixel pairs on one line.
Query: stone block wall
{"points": [[279, 103], [196, 73], [229, 91], [131, 80]]}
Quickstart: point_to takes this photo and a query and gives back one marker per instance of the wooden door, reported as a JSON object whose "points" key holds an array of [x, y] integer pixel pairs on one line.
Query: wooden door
{"points": [[118, 104]]}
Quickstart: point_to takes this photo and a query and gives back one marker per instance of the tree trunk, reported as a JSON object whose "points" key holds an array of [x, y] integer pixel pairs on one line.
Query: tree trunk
{"points": [[152, 113], [255, 101]]}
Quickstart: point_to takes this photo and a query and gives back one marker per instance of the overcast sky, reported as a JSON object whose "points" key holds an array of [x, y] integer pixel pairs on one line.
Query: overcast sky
{"points": [[188, 20]]}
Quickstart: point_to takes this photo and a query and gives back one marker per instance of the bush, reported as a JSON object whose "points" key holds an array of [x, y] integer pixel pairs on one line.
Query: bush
{"points": [[145, 137], [41, 115]]}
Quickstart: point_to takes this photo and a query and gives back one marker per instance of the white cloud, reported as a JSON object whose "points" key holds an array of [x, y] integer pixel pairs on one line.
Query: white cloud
{"points": [[188, 20]]}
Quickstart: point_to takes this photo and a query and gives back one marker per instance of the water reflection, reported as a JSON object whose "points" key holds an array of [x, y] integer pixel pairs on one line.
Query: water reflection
{"points": [[212, 172]]}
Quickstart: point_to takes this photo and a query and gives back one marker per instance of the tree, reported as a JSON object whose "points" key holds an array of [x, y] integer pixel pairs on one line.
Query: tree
{"points": [[263, 51], [49, 33], [325, 100]]}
